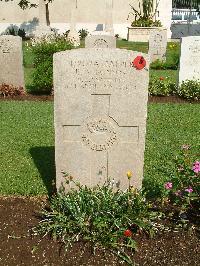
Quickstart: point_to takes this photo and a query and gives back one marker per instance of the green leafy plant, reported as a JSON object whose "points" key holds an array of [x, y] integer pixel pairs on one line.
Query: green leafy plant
{"points": [[143, 22], [183, 188], [190, 89], [10, 90], [83, 33], [145, 14], [15, 31], [43, 62], [162, 86], [106, 218]]}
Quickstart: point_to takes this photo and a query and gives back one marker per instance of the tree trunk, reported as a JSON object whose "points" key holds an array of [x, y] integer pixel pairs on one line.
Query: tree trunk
{"points": [[47, 15]]}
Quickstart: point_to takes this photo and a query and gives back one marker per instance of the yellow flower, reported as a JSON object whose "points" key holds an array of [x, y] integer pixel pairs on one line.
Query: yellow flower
{"points": [[129, 174]]}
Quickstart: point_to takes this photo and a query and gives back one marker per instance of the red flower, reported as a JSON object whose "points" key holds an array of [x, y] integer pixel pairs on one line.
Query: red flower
{"points": [[127, 233], [139, 62], [161, 78]]}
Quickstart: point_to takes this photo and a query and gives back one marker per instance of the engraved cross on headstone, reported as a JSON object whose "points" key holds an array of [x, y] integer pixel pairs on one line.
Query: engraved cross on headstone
{"points": [[96, 139]]}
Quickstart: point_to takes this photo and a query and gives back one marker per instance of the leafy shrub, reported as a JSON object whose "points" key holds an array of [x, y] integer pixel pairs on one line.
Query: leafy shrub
{"points": [[183, 189], [9, 90], [145, 14], [83, 33], [162, 86], [43, 62], [66, 33], [190, 89], [15, 31], [105, 218], [143, 22]]}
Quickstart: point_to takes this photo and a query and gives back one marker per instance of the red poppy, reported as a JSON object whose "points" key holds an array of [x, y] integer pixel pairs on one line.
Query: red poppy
{"points": [[161, 78], [139, 62], [127, 233]]}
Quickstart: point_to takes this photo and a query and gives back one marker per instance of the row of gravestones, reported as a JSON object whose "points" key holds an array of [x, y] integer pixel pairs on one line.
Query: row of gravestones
{"points": [[100, 106], [11, 57], [157, 43]]}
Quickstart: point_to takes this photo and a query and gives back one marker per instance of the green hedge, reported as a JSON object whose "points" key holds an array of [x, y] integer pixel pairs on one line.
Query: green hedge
{"points": [[43, 65], [164, 86], [190, 90]]}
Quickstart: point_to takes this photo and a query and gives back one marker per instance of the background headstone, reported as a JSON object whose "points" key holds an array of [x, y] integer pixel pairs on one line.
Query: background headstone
{"points": [[11, 61], [73, 35], [109, 17], [190, 59], [42, 29], [100, 116], [100, 41], [158, 45]]}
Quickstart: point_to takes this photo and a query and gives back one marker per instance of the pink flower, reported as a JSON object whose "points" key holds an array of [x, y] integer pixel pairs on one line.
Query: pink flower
{"points": [[196, 167], [168, 185], [189, 190]]}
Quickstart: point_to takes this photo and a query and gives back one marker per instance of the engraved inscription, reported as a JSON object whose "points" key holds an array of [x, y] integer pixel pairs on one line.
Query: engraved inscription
{"points": [[157, 44], [195, 54], [195, 47], [98, 76], [101, 43], [101, 135], [5, 46]]}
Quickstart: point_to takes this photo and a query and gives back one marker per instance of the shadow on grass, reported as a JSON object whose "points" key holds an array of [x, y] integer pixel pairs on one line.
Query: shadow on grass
{"points": [[44, 159]]}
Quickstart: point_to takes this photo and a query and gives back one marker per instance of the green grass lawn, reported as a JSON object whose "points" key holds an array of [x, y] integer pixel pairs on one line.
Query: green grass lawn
{"points": [[135, 46], [27, 144]]}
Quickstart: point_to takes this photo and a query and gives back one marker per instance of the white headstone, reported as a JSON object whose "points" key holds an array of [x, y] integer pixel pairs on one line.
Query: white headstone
{"points": [[109, 17], [100, 41], [100, 116], [73, 35], [42, 29], [190, 59], [11, 61], [158, 45]]}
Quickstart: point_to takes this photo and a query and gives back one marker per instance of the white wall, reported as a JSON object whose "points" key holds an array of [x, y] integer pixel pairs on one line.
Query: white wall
{"points": [[165, 14], [89, 14]]}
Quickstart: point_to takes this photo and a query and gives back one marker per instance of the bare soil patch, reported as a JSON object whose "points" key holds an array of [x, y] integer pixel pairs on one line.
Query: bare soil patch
{"points": [[19, 214], [152, 99]]}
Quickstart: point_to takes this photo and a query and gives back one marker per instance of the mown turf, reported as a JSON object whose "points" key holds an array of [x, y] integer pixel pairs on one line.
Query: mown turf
{"points": [[169, 127], [27, 144], [173, 74], [27, 135]]}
